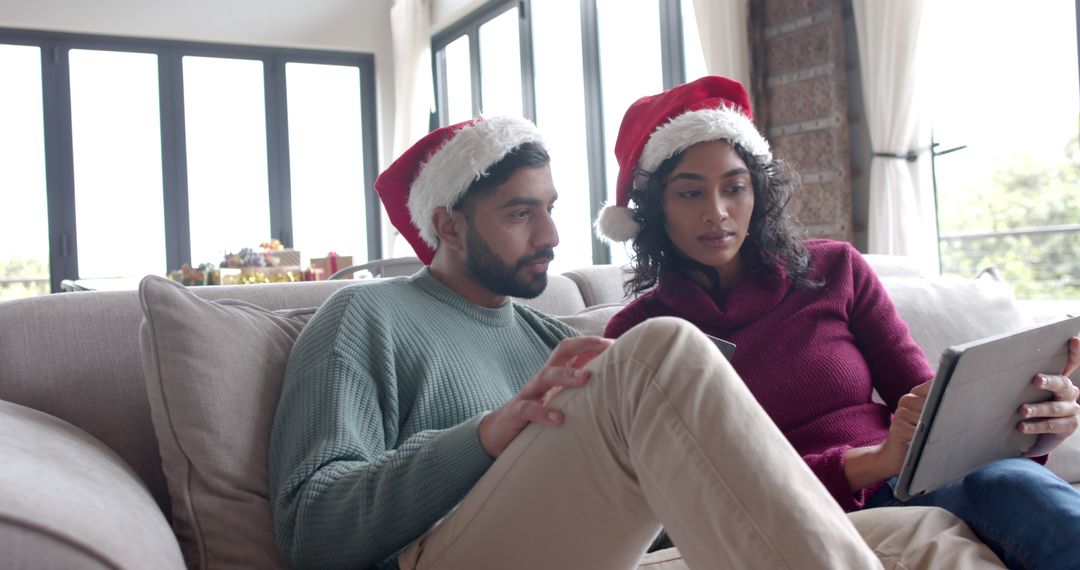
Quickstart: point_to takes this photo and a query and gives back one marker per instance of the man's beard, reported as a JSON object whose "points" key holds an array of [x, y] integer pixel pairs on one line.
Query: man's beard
{"points": [[502, 278]]}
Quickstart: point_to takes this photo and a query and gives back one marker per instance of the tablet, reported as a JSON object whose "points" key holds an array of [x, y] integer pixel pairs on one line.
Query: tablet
{"points": [[972, 409], [726, 348]]}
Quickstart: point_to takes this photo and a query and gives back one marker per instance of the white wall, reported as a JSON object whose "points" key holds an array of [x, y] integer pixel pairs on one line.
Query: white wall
{"points": [[339, 25], [446, 12]]}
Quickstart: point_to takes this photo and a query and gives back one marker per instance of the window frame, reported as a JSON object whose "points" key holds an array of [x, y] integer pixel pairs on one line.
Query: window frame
{"points": [[59, 165], [673, 72]]}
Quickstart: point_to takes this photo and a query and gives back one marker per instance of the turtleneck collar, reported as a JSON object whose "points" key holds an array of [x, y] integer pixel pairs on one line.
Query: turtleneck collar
{"points": [[753, 296]]}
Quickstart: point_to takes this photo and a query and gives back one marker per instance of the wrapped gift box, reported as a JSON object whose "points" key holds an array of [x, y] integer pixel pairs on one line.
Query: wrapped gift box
{"points": [[324, 267]]}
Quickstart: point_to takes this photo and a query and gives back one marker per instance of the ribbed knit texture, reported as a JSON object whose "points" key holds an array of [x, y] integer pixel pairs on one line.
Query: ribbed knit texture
{"points": [[375, 434], [812, 359]]}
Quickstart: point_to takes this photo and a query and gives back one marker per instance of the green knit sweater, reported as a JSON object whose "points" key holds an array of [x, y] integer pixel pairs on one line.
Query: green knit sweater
{"points": [[375, 434]]}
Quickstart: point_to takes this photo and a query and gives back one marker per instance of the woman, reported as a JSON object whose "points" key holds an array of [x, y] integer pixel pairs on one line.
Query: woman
{"points": [[815, 330]]}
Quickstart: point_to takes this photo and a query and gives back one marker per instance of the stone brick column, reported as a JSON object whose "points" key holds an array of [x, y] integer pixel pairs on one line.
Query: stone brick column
{"points": [[800, 89]]}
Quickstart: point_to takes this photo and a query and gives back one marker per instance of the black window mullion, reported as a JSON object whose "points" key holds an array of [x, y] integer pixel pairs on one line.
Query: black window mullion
{"points": [[528, 90], [372, 205], [174, 178], [59, 164], [671, 38], [594, 120], [474, 65], [442, 106], [277, 150]]}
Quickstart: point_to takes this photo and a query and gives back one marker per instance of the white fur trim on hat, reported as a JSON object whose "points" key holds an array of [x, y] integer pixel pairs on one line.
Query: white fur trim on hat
{"points": [[692, 127], [616, 223], [474, 148]]}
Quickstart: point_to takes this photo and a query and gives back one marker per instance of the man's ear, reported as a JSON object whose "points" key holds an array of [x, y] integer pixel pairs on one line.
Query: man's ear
{"points": [[450, 226]]}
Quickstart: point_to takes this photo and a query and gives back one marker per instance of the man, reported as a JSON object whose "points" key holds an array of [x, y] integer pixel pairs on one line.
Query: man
{"points": [[432, 422]]}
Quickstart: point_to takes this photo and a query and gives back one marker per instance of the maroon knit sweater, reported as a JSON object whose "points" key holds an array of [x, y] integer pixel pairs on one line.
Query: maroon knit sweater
{"points": [[812, 359]]}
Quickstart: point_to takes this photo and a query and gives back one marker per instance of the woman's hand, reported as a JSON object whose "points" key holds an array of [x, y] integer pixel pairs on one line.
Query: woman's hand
{"points": [[1056, 419], [902, 428], [866, 465]]}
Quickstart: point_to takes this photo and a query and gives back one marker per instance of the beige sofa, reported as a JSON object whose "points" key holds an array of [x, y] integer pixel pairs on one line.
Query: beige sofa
{"points": [[132, 442]]}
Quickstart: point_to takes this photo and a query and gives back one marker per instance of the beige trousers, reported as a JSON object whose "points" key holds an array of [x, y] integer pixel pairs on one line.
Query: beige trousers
{"points": [[664, 432]]}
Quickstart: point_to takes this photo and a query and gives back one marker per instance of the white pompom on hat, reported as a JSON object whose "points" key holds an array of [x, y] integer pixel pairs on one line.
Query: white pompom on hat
{"points": [[658, 127], [438, 170]]}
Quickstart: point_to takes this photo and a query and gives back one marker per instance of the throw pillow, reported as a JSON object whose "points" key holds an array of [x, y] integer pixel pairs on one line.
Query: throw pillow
{"points": [[943, 311], [214, 373]]}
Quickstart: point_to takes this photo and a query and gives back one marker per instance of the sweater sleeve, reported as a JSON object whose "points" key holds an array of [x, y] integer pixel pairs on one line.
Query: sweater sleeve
{"points": [[896, 362], [343, 492]]}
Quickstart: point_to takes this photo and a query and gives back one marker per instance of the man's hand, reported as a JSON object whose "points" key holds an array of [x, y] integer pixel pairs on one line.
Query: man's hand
{"points": [[564, 368], [1058, 418]]}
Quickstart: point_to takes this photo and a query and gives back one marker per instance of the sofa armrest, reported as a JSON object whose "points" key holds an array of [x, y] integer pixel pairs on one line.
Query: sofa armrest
{"points": [[67, 500]]}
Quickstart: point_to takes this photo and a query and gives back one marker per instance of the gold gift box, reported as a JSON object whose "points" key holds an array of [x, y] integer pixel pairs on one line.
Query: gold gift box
{"points": [[270, 274]]}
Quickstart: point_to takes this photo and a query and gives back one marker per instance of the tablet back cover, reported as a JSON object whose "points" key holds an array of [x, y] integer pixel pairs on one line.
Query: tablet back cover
{"points": [[972, 410]]}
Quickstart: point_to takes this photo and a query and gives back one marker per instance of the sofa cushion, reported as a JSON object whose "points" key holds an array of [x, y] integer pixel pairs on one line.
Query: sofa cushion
{"points": [[71, 502], [943, 311], [213, 371], [600, 284], [592, 320], [560, 297]]}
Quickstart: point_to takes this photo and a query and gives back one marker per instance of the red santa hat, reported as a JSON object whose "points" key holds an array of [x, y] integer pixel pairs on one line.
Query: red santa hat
{"points": [[657, 127], [437, 170]]}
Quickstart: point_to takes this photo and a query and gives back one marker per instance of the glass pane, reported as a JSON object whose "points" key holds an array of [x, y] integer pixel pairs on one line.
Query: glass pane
{"points": [[458, 81], [226, 154], [24, 221], [630, 68], [116, 145], [693, 55], [326, 160], [500, 65], [1010, 198], [560, 114]]}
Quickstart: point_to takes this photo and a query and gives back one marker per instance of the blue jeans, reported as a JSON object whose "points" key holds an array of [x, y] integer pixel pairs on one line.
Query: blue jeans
{"points": [[1027, 515]]}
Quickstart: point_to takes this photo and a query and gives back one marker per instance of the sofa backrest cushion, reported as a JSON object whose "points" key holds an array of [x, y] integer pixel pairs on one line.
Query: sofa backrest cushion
{"points": [[600, 284], [592, 320], [561, 297], [75, 356], [213, 374]]}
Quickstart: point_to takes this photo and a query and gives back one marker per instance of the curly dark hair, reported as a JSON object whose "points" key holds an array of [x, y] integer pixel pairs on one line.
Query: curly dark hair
{"points": [[771, 245]]}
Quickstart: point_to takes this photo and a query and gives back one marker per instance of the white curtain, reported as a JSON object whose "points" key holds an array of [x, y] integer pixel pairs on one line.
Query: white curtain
{"points": [[902, 217], [410, 30], [722, 25]]}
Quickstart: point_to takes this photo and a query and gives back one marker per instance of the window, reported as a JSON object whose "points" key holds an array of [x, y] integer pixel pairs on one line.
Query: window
{"points": [[116, 146], [458, 73], [193, 141], [226, 156], [630, 66], [24, 235], [325, 125], [500, 62], [693, 54], [560, 114], [581, 64], [1008, 198]]}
